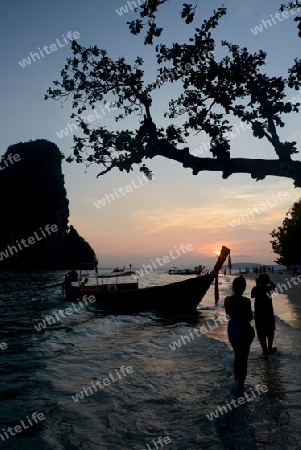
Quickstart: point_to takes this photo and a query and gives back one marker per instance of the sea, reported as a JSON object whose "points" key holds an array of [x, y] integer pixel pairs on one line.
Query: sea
{"points": [[91, 380]]}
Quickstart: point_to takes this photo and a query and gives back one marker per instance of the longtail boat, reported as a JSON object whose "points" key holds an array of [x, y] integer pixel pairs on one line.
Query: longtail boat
{"points": [[198, 270], [113, 294]]}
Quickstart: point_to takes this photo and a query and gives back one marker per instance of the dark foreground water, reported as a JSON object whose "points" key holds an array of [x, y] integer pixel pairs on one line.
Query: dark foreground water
{"points": [[148, 387]]}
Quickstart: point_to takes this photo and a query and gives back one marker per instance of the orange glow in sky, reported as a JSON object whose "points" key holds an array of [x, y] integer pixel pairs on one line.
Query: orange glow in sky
{"points": [[151, 219]]}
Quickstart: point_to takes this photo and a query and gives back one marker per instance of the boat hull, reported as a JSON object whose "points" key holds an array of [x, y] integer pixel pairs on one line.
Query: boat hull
{"points": [[179, 296], [182, 272]]}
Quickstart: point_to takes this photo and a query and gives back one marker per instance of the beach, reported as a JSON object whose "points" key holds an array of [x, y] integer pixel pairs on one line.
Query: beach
{"points": [[275, 420], [287, 302], [177, 383]]}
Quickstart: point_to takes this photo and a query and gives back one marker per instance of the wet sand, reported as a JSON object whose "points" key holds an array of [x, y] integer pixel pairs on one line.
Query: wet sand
{"points": [[275, 421]]}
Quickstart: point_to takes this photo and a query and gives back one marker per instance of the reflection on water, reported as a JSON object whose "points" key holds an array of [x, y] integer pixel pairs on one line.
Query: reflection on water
{"points": [[170, 392], [285, 309]]}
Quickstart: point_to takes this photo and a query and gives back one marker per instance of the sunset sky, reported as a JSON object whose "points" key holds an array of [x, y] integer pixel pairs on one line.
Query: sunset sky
{"points": [[153, 218]]}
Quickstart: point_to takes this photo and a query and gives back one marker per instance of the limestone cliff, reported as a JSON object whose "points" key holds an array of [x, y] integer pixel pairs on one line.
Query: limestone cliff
{"points": [[34, 210]]}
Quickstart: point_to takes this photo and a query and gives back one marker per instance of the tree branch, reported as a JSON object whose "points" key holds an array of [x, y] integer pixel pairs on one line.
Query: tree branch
{"points": [[257, 168]]}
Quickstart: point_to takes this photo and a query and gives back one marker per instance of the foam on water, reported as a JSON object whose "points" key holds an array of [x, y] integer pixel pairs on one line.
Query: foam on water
{"points": [[169, 393]]}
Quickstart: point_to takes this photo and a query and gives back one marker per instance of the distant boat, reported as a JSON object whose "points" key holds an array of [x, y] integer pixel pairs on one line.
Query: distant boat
{"points": [[116, 295], [198, 270]]}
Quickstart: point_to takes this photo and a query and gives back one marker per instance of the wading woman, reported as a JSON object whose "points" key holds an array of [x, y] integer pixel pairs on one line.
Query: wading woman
{"points": [[240, 331], [264, 313]]}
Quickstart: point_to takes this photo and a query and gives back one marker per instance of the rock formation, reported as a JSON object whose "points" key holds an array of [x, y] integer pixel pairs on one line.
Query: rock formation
{"points": [[34, 196]]}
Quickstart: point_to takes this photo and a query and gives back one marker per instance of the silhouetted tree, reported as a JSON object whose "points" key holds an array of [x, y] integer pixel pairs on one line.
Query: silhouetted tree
{"points": [[212, 93], [296, 19], [287, 238], [77, 251]]}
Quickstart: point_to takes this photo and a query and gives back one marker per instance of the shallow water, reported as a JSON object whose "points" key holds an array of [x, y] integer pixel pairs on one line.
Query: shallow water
{"points": [[168, 391]]}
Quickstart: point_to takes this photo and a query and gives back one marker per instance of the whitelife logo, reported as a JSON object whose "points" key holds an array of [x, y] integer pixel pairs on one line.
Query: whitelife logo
{"points": [[124, 9], [51, 320], [285, 15], [182, 69], [35, 417], [281, 196], [236, 403], [11, 250], [227, 136], [280, 286], [9, 160], [53, 48], [86, 391], [128, 188], [161, 440], [164, 260], [3, 345], [73, 127], [198, 332]]}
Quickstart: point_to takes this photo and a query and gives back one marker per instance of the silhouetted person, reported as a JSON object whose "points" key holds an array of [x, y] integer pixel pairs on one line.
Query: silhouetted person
{"points": [[70, 277], [240, 332], [84, 282], [264, 313]]}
